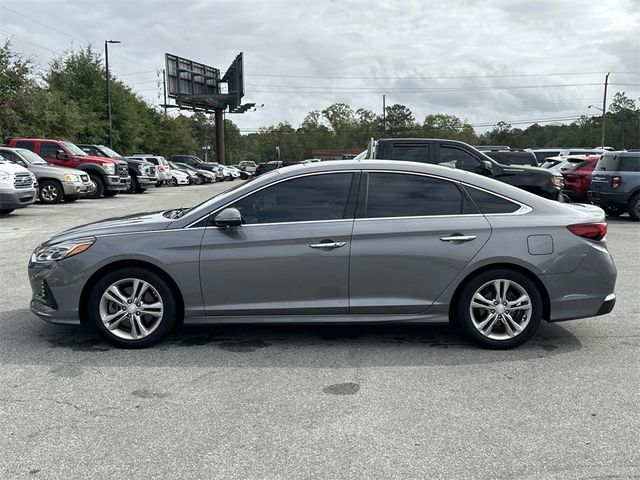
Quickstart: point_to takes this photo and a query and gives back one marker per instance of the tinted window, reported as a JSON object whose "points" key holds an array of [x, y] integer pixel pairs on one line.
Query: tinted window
{"points": [[461, 159], [153, 160], [49, 150], [573, 164], [411, 153], [630, 163], [315, 197], [489, 203], [23, 144], [541, 156], [401, 195]]}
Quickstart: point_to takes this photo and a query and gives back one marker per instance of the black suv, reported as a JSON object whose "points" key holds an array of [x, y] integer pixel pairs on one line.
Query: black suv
{"points": [[615, 184], [195, 162]]}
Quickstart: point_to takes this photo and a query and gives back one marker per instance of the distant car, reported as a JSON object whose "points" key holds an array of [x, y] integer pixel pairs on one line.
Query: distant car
{"points": [[248, 166], [577, 173], [54, 183], [162, 166], [205, 176], [615, 184], [542, 153], [192, 173], [268, 166], [513, 157], [17, 187], [178, 177], [346, 241]]}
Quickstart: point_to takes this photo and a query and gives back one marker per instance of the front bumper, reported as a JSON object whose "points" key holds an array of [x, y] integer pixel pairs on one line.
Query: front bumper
{"points": [[146, 181], [12, 198], [609, 199], [77, 188], [116, 182]]}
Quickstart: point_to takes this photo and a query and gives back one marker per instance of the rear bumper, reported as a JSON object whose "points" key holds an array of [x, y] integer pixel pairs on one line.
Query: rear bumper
{"points": [[588, 291], [609, 199]]}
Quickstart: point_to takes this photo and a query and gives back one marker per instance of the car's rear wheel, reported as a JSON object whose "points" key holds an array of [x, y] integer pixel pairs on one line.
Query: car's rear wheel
{"points": [[132, 308], [71, 198], [111, 193], [51, 192], [499, 308], [634, 207]]}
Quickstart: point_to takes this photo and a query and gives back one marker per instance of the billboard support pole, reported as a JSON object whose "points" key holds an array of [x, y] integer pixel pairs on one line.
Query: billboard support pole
{"points": [[219, 119]]}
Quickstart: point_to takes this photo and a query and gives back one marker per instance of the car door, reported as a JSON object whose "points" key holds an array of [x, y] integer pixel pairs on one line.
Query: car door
{"points": [[412, 235], [290, 255], [49, 151]]}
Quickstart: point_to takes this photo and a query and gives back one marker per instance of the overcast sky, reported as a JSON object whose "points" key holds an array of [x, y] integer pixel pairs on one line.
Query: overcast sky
{"points": [[510, 60]]}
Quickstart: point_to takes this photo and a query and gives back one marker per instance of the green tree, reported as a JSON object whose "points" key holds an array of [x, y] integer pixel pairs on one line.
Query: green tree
{"points": [[400, 121]]}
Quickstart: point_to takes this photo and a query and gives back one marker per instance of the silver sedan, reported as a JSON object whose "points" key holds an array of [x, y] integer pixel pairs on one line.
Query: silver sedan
{"points": [[346, 241]]}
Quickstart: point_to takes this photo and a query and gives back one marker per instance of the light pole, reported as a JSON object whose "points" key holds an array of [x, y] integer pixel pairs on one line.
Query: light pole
{"points": [[106, 61], [206, 149]]}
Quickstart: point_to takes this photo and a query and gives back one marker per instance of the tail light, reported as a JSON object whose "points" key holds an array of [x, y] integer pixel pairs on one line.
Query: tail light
{"points": [[615, 182], [161, 168], [592, 231]]}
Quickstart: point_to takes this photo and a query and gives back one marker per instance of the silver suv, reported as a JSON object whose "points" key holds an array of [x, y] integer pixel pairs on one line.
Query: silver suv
{"points": [[17, 187], [56, 183]]}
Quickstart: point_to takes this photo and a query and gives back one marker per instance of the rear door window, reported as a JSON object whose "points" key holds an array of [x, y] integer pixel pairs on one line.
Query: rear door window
{"points": [[403, 195], [411, 153], [630, 164], [24, 144]]}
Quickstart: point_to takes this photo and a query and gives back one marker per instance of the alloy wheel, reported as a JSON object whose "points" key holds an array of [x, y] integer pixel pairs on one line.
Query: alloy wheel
{"points": [[131, 308], [500, 309], [49, 193]]}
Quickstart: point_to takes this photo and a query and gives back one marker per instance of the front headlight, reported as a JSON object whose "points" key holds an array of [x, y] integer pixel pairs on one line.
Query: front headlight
{"points": [[110, 168], [52, 253], [71, 177], [4, 176]]}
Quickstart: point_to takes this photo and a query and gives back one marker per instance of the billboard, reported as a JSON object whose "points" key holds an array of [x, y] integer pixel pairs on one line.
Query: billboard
{"points": [[193, 85], [234, 77]]}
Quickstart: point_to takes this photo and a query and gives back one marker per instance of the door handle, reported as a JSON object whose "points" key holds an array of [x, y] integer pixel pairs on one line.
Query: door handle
{"points": [[328, 245], [458, 238]]}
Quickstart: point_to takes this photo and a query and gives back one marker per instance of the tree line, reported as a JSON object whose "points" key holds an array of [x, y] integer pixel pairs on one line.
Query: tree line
{"points": [[67, 101]]}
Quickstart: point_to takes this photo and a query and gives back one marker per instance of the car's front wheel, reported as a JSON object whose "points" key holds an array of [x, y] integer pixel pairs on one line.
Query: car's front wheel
{"points": [[132, 307], [499, 308], [613, 211], [51, 192]]}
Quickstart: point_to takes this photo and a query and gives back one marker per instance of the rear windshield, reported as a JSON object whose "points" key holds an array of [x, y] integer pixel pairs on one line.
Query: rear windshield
{"points": [[547, 153], [619, 163], [573, 164]]}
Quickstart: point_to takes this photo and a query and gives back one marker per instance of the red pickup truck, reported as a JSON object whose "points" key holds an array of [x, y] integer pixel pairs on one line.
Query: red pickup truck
{"points": [[110, 175]]}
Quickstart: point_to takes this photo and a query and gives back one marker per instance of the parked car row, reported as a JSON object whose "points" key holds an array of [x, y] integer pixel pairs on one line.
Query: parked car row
{"points": [[53, 171]]}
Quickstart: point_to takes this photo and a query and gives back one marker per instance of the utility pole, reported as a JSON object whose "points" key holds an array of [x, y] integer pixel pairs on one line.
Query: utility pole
{"points": [[384, 115], [604, 108], [219, 120], [106, 62]]}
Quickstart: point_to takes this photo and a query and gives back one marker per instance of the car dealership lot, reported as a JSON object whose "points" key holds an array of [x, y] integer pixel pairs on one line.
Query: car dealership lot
{"points": [[306, 401]]}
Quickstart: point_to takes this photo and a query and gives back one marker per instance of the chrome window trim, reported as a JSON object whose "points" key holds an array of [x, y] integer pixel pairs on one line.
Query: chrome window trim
{"points": [[304, 174]]}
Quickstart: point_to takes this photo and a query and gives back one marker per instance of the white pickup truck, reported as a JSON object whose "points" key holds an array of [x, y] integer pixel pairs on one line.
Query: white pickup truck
{"points": [[17, 187]]}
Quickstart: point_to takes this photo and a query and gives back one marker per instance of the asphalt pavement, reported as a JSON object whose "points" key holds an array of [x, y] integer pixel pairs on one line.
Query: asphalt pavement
{"points": [[297, 402]]}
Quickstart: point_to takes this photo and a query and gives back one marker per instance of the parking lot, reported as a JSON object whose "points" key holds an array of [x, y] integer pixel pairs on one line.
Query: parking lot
{"points": [[363, 401]]}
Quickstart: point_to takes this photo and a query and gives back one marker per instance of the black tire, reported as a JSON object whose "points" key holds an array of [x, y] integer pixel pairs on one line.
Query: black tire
{"points": [[51, 192], [99, 191], [164, 325], [141, 190], [198, 181], [158, 184], [111, 193], [634, 207], [70, 198], [134, 185], [6, 211], [613, 211], [482, 284], [172, 182]]}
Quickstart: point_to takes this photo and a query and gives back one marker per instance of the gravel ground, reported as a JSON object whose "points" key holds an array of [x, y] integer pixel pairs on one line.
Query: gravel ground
{"points": [[293, 402]]}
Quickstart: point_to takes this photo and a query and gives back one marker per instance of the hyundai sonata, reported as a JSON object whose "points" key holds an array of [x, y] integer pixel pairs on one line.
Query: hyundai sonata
{"points": [[346, 241]]}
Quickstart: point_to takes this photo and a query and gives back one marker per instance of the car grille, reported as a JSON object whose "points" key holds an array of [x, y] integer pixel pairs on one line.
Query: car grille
{"points": [[23, 180], [84, 178], [123, 169]]}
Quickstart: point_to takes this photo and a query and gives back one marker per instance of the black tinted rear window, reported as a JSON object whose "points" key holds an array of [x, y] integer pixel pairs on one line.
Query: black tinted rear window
{"points": [[490, 203], [572, 164], [631, 163]]}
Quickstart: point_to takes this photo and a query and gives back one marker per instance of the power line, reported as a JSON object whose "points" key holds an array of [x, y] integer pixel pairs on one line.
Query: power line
{"points": [[435, 78], [12, 35]]}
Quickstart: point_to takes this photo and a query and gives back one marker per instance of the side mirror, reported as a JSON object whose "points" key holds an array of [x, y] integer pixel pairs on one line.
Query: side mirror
{"points": [[487, 164], [60, 155], [227, 218]]}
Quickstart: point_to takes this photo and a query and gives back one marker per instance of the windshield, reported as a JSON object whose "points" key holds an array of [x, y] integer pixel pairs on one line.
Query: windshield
{"points": [[109, 152], [31, 157], [74, 149]]}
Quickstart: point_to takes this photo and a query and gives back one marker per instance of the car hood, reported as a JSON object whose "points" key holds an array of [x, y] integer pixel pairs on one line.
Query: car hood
{"points": [[54, 169], [139, 222], [12, 168]]}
